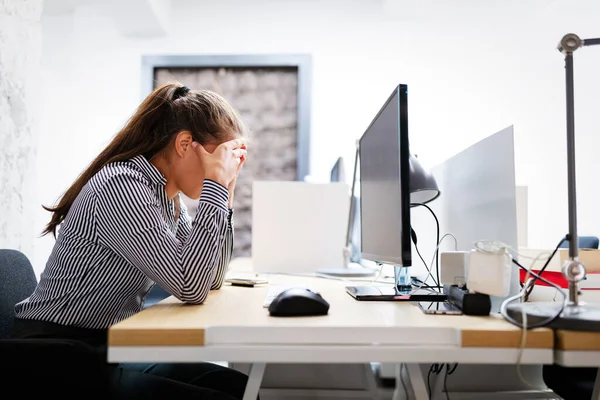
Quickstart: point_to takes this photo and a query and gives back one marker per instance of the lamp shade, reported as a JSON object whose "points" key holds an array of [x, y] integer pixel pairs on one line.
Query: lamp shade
{"points": [[423, 187]]}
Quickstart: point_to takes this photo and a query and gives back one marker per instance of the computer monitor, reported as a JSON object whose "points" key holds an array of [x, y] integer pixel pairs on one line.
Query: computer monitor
{"points": [[338, 175], [337, 172], [384, 184]]}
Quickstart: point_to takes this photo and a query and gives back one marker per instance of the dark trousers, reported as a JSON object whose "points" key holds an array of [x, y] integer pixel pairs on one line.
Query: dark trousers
{"points": [[174, 381], [71, 363]]}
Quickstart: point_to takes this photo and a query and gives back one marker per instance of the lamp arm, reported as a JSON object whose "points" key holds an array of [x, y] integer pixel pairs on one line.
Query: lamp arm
{"points": [[573, 270], [591, 42]]}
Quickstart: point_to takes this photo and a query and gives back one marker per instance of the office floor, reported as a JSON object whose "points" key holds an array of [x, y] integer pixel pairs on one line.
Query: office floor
{"points": [[385, 391]]}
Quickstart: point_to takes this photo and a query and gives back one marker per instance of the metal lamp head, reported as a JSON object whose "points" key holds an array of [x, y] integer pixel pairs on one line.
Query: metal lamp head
{"points": [[423, 187]]}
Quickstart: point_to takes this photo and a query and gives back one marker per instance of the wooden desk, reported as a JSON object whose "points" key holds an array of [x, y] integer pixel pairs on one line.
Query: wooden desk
{"points": [[577, 349], [228, 311], [232, 325]]}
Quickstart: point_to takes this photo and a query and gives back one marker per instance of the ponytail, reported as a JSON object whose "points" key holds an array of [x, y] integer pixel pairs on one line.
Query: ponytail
{"points": [[168, 110]]}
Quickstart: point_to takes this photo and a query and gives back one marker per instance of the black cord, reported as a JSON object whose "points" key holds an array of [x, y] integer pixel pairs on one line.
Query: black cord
{"points": [[434, 369], [429, 381], [530, 289], [445, 382], [417, 282], [437, 284], [449, 371], [522, 294], [437, 242], [403, 383], [452, 369]]}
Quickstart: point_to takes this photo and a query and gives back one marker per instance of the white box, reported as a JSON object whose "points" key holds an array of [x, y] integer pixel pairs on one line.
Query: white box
{"points": [[489, 273], [453, 267], [298, 227]]}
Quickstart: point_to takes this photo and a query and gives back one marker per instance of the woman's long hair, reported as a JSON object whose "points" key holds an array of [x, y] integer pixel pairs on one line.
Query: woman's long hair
{"points": [[168, 110]]}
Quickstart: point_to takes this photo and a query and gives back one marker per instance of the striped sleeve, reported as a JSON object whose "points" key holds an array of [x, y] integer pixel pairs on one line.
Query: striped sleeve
{"points": [[184, 224], [184, 227], [226, 254], [131, 224]]}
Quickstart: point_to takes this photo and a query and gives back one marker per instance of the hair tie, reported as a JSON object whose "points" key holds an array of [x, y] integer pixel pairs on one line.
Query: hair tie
{"points": [[180, 92]]}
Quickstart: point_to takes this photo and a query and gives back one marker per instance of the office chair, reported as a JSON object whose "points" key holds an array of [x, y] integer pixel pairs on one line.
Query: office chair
{"points": [[66, 368], [585, 242], [567, 382], [17, 282]]}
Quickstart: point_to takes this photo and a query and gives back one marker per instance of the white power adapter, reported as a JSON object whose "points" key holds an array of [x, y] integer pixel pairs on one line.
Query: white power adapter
{"points": [[453, 268], [489, 271]]}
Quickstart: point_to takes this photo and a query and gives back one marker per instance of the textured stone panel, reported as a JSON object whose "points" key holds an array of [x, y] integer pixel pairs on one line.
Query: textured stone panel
{"points": [[267, 100], [20, 72]]}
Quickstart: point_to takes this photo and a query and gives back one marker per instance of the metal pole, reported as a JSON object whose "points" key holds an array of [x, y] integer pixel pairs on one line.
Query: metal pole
{"points": [[571, 168]]}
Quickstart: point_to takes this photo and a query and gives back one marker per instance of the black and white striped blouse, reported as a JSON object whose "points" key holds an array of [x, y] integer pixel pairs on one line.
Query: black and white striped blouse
{"points": [[120, 237]]}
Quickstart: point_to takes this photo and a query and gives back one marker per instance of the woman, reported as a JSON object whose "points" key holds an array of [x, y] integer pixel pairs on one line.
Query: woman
{"points": [[123, 228]]}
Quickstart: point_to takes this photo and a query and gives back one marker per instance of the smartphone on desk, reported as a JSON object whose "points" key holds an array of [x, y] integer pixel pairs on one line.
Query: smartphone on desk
{"points": [[245, 282], [439, 307]]}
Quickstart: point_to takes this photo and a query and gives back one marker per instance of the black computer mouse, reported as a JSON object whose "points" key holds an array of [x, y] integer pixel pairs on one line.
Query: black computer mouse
{"points": [[295, 302]]}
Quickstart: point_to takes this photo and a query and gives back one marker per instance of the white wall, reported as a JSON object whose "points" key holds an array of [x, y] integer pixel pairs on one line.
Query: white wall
{"points": [[20, 56], [473, 68]]}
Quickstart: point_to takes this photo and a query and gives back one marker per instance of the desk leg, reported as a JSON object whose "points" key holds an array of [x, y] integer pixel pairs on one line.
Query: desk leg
{"points": [[255, 377], [596, 394], [417, 381]]}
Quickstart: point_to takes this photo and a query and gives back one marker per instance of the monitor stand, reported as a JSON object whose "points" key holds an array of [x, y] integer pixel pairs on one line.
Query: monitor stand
{"points": [[581, 317], [353, 270]]}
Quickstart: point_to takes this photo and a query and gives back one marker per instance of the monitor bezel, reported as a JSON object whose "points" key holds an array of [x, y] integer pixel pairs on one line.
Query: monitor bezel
{"points": [[405, 259]]}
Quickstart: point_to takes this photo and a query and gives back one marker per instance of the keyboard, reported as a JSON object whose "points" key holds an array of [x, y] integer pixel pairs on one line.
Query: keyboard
{"points": [[274, 291]]}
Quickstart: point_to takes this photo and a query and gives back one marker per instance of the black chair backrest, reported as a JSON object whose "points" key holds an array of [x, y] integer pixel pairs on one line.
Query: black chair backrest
{"points": [[17, 282], [585, 242]]}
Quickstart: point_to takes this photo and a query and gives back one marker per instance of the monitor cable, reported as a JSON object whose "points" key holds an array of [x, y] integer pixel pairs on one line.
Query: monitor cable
{"points": [[449, 371], [437, 369], [437, 239], [429, 274]]}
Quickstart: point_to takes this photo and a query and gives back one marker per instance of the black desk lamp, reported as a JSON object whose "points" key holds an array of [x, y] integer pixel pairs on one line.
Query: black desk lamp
{"points": [[423, 189], [575, 315]]}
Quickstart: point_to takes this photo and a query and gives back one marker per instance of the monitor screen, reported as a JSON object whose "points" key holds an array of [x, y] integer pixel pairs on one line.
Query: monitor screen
{"points": [[384, 184], [337, 172]]}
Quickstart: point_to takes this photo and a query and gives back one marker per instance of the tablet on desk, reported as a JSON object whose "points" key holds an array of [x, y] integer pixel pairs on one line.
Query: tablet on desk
{"points": [[245, 282]]}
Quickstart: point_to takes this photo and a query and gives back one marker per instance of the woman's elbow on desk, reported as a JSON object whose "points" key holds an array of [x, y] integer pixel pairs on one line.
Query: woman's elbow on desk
{"points": [[195, 300], [197, 296]]}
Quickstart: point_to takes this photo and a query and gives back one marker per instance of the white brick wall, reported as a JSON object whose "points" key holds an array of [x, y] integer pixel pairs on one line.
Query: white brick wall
{"points": [[20, 54]]}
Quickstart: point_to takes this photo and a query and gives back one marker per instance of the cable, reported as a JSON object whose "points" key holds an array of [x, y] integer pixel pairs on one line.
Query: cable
{"points": [[566, 238], [449, 371], [522, 349], [429, 381], [437, 240], [379, 273], [432, 261], [521, 294], [429, 274], [453, 237], [433, 369], [404, 387], [524, 325], [453, 368]]}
